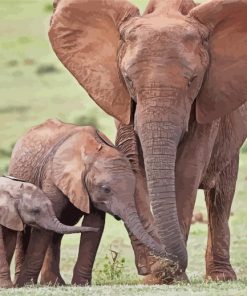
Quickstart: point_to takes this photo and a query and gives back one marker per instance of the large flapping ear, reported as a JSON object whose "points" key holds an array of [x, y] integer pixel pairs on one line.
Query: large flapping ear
{"points": [[9, 216], [84, 35], [69, 169], [225, 84]]}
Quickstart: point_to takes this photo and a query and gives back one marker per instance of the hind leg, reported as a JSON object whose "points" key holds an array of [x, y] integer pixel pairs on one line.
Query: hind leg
{"points": [[219, 201], [50, 272]]}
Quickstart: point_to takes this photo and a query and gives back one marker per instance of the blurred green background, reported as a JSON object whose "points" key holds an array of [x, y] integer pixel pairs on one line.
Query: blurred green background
{"points": [[34, 86]]}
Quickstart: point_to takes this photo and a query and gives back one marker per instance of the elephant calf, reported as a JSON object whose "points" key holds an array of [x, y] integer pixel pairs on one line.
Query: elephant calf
{"points": [[20, 203], [82, 173]]}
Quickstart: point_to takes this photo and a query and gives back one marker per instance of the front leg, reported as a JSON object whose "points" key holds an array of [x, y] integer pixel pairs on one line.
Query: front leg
{"points": [[21, 249], [89, 244], [219, 201], [39, 241], [7, 247], [50, 273]]}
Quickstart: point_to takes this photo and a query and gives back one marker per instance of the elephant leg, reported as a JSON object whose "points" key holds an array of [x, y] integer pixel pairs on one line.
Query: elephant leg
{"points": [[5, 279], [50, 273], [21, 249], [127, 142], [89, 243], [38, 244], [219, 201], [9, 237]]}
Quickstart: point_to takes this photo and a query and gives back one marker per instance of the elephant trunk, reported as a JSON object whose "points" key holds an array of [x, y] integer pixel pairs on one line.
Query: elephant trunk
{"points": [[49, 221], [159, 141], [133, 223], [53, 224]]}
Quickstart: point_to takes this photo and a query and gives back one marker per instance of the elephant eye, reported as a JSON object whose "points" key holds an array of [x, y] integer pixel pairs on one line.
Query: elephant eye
{"points": [[191, 80], [35, 210], [128, 80], [106, 189]]}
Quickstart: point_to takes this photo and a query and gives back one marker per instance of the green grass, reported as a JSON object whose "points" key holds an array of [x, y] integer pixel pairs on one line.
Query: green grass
{"points": [[34, 86]]}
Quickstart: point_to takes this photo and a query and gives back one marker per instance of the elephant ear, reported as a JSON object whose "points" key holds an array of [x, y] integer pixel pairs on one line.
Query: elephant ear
{"points": [[84, 35], [69, 169], [225, 83], [9, 216]]}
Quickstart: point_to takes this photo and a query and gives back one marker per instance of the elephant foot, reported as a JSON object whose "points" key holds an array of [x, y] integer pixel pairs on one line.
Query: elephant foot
{"points": [[225, 275], [6, 284], [219, 271], [81, 277], [163, 271], [25, 281], [143, 270], [160, 279], [143, 262], [51, 279], [81, 282]]}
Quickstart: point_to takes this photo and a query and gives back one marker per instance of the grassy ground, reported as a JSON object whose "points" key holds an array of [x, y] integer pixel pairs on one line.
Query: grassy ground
{"points": [[33, 87]]}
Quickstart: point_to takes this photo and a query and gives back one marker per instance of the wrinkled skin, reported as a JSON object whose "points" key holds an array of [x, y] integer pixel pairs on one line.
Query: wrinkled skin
{"points": [[179, 65], [81, 172], [23, 203]]}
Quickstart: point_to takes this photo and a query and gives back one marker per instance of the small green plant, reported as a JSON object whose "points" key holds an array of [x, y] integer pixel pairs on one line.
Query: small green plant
{"points": [[112, 269]]}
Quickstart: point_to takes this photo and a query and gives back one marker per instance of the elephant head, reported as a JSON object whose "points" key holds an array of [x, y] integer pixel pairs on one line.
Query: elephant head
{"points": [[91, 172], [174, 56], [22, 202]]}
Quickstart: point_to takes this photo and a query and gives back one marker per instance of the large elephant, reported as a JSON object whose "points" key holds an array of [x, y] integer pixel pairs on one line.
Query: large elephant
{"points": [[178, 72], [82, 173], [23, 203]]}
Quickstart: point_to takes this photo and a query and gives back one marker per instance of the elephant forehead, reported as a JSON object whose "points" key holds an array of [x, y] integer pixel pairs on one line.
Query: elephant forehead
{"points": [[160, 26], [112, 163]]}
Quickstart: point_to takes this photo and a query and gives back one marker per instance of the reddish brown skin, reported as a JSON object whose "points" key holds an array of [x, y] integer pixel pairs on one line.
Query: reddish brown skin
{"points": [[72, 164], [180, 66]]}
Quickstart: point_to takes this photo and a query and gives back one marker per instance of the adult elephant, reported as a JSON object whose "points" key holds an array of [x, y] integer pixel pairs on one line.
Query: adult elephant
{"points": [[179, 73]]}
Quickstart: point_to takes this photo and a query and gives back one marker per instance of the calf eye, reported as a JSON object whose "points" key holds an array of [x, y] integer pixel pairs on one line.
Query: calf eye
{"points": [[106, 189], [35, 210]]}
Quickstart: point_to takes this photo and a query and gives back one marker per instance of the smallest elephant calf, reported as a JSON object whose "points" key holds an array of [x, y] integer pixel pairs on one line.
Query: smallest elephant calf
{"points": [[23, 203]]}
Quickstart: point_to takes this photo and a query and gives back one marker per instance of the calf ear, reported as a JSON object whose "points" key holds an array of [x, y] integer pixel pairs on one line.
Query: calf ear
{"points": [[69, 168], [225, 84], [9, 215]]}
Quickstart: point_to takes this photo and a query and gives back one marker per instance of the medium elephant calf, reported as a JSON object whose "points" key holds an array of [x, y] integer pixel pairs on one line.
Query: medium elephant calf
{"points": [[82, 173], [20, 203]]}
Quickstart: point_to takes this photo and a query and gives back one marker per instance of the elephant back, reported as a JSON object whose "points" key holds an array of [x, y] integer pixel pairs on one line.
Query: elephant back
{"points": [[30, 151]]}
